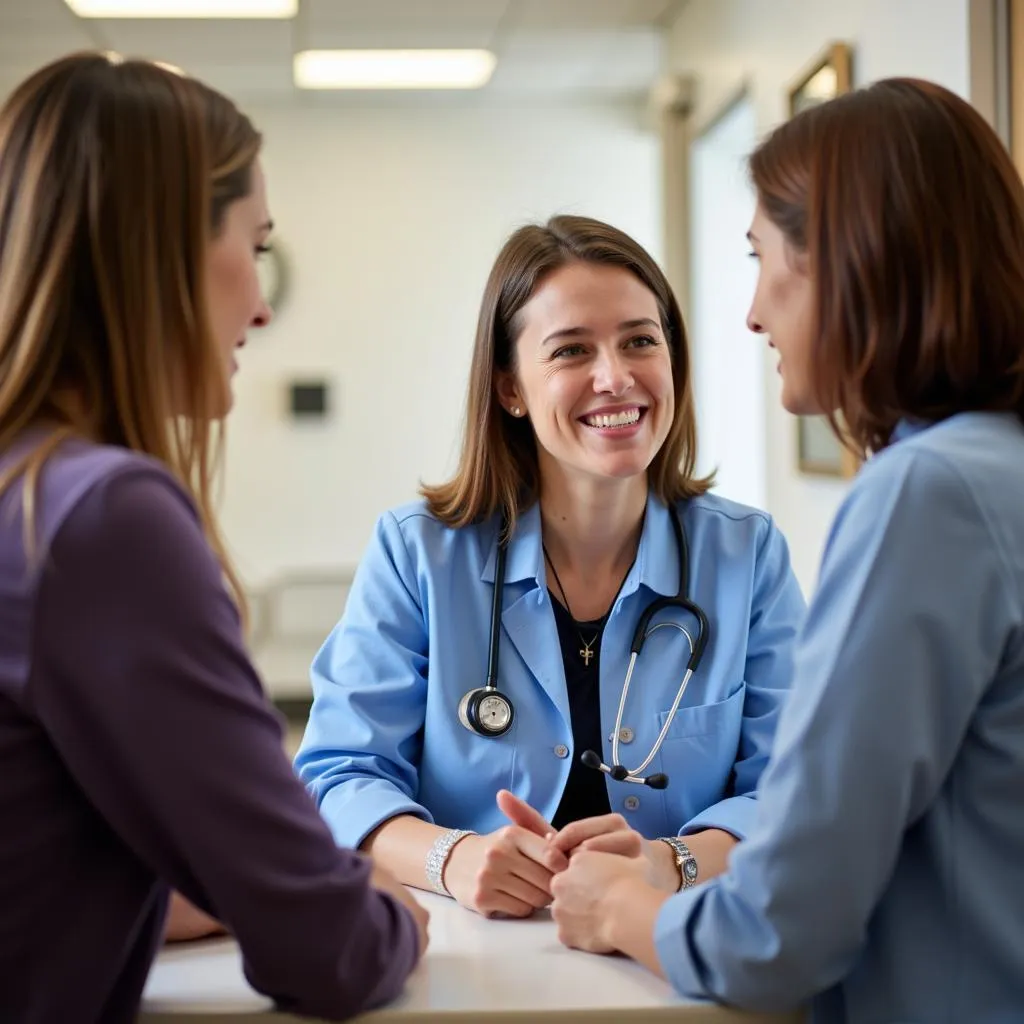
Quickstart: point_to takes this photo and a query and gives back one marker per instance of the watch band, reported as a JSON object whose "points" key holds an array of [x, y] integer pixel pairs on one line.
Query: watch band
{"points": [[438, 857], [686, 863]]}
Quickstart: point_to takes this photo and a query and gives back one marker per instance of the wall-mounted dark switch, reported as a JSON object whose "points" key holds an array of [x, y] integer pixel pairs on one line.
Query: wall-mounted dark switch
{"points": [[308, 399]]}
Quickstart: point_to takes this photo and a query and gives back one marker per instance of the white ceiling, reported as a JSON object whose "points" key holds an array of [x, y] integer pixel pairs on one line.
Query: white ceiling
{"points": [[545, 48]]}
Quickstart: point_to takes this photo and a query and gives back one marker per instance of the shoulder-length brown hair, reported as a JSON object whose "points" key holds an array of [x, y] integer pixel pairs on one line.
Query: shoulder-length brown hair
{"points": [[498, 468], [114, 175], [911, 215]]}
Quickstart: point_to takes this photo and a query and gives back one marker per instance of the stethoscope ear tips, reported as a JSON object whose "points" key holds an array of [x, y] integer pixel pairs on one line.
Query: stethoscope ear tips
{"points": [[620, 773]]}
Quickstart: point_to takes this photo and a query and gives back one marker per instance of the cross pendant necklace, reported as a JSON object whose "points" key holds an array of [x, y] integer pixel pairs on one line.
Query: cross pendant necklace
{"points": [[586, 652]]}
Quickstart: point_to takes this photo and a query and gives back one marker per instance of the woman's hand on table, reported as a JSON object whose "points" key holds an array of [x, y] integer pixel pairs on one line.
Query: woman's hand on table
{"points": [[604, 903], [611, 833], [606, 833], [507, 872]]}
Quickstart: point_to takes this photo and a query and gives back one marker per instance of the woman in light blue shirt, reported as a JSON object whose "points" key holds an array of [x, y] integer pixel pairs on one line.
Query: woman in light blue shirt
{"points": [[884, 876], [580, 432]]}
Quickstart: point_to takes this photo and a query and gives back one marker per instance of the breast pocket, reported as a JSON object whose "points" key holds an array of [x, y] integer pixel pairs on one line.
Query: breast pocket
{"points": [[702, 719], [699, 753]]}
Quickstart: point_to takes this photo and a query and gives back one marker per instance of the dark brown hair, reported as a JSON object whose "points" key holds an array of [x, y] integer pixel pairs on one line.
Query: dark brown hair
{"points": [[911, 215], [114, 175], [498, 468]]}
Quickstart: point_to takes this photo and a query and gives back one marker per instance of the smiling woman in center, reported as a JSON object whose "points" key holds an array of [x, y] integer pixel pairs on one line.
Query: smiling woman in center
{"points": [[483, 688]]}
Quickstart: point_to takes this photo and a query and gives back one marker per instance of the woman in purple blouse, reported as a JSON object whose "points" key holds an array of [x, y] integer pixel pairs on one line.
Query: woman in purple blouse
{"points": [[138, 751]]}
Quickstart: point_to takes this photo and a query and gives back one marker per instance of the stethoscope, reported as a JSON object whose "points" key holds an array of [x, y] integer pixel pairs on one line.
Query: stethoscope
{"points": [[489, 712]]}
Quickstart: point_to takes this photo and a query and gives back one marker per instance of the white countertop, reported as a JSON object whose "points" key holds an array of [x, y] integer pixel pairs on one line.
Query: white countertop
{"points": [[510, 971]]}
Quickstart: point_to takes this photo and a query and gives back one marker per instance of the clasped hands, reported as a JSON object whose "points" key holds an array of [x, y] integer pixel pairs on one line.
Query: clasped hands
{"points": [[511, 872]]}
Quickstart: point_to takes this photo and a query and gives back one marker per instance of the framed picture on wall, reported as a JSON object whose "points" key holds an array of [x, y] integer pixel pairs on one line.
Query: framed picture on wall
{"points": [[819, 451], [827, 77]]}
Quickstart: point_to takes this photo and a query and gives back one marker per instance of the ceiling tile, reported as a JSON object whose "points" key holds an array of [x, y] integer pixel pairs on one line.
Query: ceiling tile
{"points": [[398, 37], [184, 43], [402, 15], [558, 46], [589, 14]]}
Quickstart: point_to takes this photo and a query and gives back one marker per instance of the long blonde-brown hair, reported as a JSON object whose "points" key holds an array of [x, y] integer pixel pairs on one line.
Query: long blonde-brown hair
{"points": [[114, 175], [498, 468]]}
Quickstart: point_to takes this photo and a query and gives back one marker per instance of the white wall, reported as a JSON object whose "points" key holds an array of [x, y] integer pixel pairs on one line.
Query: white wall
{"points": [[725, 43], [729, 370], [391, 218]]}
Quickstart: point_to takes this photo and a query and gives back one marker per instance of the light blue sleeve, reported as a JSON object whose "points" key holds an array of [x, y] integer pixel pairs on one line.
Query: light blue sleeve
{"points": [[360, 754], [904, 634], [776, 615]]}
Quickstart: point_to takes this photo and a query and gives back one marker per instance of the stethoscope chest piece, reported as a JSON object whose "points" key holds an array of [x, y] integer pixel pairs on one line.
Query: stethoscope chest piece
{"points": [[486, 711]]}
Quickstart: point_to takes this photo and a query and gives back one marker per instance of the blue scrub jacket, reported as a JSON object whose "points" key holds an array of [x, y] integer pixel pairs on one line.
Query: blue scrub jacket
{"points": [[384, 737]]}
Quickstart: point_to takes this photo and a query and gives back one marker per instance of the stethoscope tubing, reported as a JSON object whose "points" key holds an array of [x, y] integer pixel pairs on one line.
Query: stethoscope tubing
{"points": [[643, 630]]}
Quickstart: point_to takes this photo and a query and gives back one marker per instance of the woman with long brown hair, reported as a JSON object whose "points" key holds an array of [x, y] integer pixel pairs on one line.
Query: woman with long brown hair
{"points": [[139, 752], [882, 880], [481, 688]]}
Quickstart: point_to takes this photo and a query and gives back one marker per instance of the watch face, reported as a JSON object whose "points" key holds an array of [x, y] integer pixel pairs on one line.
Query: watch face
{"points": [[690, 869], [494, 713]]}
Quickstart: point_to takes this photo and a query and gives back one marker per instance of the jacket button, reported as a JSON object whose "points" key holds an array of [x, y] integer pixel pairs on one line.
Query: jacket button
{"points": [[626, 734], [631, 803], [561, 750]]}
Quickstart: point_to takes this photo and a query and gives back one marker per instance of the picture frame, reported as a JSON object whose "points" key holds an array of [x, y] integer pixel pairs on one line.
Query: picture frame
{"points": [[819, 451], [828, 76]]}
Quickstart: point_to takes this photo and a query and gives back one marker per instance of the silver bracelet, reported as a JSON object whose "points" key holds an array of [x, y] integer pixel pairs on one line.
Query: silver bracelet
{"points": [[438, 857]]}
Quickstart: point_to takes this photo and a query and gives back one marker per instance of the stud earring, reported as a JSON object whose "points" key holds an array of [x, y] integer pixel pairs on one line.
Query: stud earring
{"points": [[515, 410]]}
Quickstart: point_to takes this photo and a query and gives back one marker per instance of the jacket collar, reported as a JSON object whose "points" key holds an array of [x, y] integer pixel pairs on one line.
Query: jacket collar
{"points": [[656, 566]]}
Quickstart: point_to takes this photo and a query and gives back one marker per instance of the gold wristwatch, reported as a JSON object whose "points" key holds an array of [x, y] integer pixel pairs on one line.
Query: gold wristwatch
{"points": [[686, 863]]}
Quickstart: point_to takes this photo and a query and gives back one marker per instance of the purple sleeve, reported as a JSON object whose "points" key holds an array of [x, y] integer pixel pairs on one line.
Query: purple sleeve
{"points": [[141, 679]]}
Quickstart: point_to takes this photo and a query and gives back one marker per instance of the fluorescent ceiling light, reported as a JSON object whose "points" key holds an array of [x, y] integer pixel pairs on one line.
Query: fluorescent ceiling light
{"points": [[393, 69], [184, 8]]}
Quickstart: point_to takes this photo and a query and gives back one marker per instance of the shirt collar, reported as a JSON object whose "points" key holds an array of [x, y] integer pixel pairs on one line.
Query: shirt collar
{"points": [[908, 427]]}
